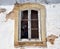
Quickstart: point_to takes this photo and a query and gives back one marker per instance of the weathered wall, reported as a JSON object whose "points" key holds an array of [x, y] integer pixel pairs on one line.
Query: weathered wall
{"points": [[52, 25]]}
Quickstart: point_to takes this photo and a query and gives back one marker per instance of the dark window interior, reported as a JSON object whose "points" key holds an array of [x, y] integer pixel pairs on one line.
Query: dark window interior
{"points": [[34, 24], [24, 24]]}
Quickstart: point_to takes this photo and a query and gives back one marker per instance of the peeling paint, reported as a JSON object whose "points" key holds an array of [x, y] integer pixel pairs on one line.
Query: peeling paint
{"points": [[51, 38], [2, 10]]}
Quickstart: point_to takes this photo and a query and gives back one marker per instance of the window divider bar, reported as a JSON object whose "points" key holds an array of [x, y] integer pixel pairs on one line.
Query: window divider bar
{"points": [[29, 24], [39, 26], [19, 24]]}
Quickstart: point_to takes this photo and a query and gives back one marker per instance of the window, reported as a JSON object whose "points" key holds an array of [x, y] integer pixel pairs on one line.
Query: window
{"points": [[29, 25]]}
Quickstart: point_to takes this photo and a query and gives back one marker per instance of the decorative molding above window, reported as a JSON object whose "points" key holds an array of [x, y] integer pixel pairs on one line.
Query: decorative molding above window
{"points": [[30, 25]]}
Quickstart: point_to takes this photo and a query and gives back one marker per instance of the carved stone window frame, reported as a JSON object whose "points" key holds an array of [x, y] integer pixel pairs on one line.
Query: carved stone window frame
{"points": [[42, 9]]}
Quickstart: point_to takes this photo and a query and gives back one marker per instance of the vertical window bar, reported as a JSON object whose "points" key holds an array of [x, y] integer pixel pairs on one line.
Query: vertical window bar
{"points": [[19, 24], [29, 24], [39, 25]]}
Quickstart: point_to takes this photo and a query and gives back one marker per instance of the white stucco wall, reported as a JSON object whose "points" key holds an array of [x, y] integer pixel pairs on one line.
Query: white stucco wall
{"points": [[52, 27]]}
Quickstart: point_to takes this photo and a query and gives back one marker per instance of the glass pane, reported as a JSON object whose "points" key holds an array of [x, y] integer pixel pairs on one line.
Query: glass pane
{"points": [[34, 34], [24, 24], [34, 24], [34, 14]]}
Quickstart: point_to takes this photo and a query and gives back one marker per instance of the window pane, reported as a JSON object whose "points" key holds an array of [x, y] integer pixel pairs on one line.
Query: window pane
{"points": [[24, 14], [34, 34], [24, 25], [34, 24], [34, 14]]}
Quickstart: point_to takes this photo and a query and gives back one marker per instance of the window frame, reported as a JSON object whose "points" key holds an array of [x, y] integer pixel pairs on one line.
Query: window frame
{"points": [[33, 6], [29, 32]]}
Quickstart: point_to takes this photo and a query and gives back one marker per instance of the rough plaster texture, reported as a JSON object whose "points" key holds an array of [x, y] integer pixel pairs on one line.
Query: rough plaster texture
{"points": [[52, 25]]}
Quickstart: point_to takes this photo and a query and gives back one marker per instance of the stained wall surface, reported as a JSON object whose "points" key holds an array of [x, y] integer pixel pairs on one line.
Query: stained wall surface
{"points": [[52, 27]]}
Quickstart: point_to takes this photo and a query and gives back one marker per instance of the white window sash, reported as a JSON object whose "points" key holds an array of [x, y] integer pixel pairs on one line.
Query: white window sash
{"points": [[29, 27], [39, 26], [29, 24], [19, 25]]}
